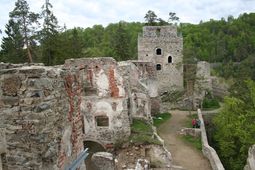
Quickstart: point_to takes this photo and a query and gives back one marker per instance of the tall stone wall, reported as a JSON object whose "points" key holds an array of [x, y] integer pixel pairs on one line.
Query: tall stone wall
{"points": [[168, 60], [203, 82], [148, 76], [139, 103], [103, 99], [34, 115]]}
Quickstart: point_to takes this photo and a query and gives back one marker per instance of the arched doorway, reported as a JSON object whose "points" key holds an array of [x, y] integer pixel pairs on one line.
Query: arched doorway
{"points": [[93, 148]]}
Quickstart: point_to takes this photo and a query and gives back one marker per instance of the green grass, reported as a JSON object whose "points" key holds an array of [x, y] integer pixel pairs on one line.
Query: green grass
{"points": [[142, 133], [194, 141], [161, 118], [141, 126]]}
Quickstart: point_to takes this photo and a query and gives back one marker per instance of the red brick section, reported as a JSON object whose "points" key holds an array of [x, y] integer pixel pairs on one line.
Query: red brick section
{"points": [[73, 89], [112, 82], [90, 76]]}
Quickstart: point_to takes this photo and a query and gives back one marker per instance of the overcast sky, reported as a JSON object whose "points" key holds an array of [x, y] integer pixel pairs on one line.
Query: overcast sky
{"points": [[86, 13]]}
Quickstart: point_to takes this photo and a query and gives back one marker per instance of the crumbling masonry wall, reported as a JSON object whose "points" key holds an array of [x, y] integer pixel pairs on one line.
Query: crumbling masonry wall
{"points": [[47, 113], [34, 116], [139, 99], [102, 96]]}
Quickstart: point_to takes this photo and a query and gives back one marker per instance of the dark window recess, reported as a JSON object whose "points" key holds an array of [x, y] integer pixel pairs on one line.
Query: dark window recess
{"points": [[158, 32], [158, 66], [102, 121], [170, 59], [158, 51]]}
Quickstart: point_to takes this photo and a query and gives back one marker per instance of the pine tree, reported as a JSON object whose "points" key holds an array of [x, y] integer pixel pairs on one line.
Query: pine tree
{"points": [[121, 43], [12, 45], [26, 21], [48, 33]]}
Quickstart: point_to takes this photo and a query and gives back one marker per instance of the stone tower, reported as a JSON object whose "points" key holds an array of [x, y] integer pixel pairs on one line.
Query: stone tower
{"points": [[162, 46]]}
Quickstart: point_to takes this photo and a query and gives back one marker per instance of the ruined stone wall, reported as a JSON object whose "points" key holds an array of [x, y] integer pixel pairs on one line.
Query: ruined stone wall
{"points": [[138, 94], [203, 82], [47, 113], [148, 76], [103, 99], [170, 75], [34, 116]]}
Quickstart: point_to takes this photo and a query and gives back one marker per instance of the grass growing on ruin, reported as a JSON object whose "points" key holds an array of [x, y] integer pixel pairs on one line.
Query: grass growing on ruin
{"points": [[194, 141], [142, 133], [161, 118]]}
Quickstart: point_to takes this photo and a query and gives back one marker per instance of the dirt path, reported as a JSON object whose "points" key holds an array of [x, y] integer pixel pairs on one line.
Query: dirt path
{"points": [[183, 154]]}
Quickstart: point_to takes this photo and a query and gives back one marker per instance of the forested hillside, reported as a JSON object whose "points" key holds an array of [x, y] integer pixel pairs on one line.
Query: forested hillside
{"points": [[228, 40]]}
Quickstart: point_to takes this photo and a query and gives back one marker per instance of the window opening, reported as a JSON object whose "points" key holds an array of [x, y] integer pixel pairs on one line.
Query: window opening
{"points": [[170, 59], [102, 121], [158, 51], [158, 66]]}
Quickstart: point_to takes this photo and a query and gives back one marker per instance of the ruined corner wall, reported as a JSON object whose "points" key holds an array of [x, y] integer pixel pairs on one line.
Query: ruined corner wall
{"points": [[103, 95], [203, 82], [35, 114], [148, 76], [139, 105], [165, 38]]}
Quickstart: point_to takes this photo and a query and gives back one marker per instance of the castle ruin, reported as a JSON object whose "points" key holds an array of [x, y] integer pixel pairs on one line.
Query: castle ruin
{"points": [[162, 46]]}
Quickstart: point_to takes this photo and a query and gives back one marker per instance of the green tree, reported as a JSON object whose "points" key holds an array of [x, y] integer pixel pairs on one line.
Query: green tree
{"points": [[48, 33], [173, 17], [121, 43], [12, 45], [235, 128], [76, 44], [150, 18], [26, 21]]}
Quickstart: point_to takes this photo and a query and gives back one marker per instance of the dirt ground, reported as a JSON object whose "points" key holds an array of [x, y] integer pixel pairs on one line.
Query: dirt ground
{"points": [[183, 154]]}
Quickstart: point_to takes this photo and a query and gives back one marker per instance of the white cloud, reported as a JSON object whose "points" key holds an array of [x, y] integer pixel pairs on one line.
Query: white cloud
{"points": [[86, 13]]}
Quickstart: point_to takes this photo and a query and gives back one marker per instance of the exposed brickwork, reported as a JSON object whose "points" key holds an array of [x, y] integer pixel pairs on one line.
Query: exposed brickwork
{"points": [[48, 112], [113, 84]]}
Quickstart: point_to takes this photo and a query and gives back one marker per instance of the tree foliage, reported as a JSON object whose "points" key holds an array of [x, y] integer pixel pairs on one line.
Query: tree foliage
{"points": [[48, 33], [235, 128], [26, 21], [12, 45]]}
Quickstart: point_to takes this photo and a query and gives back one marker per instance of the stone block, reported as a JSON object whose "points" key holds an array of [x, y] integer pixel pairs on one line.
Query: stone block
{"points": [[41, 107], [11, 86], [9, 101], [3, 144], [103, 161]]}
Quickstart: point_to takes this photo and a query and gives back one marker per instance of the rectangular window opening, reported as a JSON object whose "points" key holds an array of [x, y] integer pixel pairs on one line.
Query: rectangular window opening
{"points": [[102, 121]]}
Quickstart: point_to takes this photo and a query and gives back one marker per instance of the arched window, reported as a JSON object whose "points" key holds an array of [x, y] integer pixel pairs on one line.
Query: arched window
{"points": [[170, 60], [158, 66], [158, 51]]}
